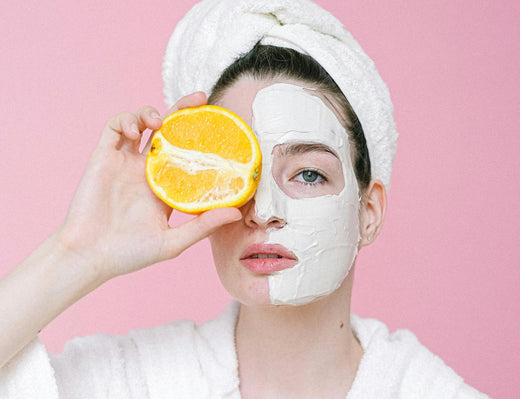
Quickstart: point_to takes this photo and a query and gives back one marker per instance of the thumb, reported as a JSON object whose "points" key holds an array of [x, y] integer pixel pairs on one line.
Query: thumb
{"points": [[178, 239]]}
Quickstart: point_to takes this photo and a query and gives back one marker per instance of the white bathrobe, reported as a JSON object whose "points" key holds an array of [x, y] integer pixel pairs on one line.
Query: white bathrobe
{"points": [[184, 360]]}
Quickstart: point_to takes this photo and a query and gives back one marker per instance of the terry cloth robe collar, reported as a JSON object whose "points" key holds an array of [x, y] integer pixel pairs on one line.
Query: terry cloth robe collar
{"points": [[211, 370], [394, 365], [183, 360]]}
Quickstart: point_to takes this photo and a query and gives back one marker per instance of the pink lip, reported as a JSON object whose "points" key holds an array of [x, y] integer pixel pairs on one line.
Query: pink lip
{"points": [[284, 259]]}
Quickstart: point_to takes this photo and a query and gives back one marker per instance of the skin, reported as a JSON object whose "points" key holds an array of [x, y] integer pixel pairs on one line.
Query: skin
{"points": [[116, 225], [323, 360]]}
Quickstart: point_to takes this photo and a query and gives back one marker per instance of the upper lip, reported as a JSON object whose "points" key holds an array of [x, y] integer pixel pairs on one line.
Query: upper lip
{"points": [[254, 250]]}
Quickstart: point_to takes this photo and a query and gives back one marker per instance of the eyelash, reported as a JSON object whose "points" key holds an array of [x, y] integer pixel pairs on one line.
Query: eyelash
{"points": [[321, 177]]}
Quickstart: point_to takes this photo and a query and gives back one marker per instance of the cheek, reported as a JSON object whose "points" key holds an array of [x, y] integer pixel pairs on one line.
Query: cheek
{"points": [[240, 283], [222, 242], [323, 233], [222, 254]]}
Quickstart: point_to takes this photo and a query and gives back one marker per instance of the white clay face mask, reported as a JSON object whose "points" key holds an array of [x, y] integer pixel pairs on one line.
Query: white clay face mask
{"points": [[322, 231]]}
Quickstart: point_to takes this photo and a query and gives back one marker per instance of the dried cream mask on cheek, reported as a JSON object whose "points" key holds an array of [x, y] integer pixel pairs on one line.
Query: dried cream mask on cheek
{"points": [[323, 232]]}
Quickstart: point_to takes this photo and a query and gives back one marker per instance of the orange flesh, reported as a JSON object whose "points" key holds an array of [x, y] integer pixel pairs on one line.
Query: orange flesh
{"points": [[203, 158]]}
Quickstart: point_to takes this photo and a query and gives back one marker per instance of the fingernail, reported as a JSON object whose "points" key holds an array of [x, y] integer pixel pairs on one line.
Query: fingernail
{"points": [[156, 115], [134, 128]]}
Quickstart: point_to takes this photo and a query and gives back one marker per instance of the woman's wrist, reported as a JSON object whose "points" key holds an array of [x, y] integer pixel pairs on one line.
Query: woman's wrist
{"points": [[44, 285], [82, 264]]}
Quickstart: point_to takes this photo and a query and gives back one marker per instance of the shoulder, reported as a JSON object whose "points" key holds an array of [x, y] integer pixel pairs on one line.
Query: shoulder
{"points": [[154, 362], [397, 365]]}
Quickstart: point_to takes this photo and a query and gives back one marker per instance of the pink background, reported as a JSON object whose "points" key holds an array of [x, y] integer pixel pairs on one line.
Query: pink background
{"points": [[447, 265]]}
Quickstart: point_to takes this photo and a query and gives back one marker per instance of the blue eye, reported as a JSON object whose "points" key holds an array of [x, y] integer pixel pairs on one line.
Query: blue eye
{"points": [[310, 176]]}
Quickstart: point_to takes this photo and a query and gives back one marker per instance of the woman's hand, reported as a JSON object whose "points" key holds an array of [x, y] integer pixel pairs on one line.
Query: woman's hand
{"points": [[115, 222], [115, 225]]}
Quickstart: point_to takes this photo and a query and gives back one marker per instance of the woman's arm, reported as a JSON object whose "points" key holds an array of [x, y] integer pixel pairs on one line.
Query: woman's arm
{"points": [[115, 225]]}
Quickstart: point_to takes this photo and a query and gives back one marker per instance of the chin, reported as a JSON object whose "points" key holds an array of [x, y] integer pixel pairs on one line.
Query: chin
{"points": [[256, 294], [249, 290]]}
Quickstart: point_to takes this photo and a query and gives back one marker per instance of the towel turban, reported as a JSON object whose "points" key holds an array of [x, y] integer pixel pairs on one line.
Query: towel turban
{"points": [[214, 33]]}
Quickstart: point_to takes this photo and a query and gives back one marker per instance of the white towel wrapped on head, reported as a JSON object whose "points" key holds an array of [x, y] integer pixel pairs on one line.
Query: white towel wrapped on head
{"points": [[214, 33]]}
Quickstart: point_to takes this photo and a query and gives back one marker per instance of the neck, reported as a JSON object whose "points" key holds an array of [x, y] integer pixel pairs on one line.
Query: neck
{"points": [[298, 351]]}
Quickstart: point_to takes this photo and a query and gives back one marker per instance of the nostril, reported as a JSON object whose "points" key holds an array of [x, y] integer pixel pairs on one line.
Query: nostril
{"points": [[276, 222]]}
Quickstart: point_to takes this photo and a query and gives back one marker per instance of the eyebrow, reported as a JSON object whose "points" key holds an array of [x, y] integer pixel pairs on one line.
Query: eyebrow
{"points": [[302, 148]]}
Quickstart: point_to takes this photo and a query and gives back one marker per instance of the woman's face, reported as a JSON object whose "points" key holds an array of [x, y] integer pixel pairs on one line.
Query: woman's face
{"points": [[299, 234]]}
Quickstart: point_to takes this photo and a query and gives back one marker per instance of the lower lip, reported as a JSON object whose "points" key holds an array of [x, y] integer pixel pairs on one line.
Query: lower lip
{"points": [[268, 265]]}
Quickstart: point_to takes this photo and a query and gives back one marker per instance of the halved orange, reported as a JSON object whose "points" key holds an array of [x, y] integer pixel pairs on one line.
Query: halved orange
{"points": [[203, 158]]}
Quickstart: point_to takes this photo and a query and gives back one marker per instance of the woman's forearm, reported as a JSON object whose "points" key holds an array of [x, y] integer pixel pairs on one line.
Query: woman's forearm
{"points": [[45, 284]]}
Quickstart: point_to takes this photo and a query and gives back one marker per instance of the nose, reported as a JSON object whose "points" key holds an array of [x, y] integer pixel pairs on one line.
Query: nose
{"points": [[253, 220]]}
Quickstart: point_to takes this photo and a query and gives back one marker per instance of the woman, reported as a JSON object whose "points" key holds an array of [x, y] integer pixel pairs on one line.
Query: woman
{"points": [[287, 256]]}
